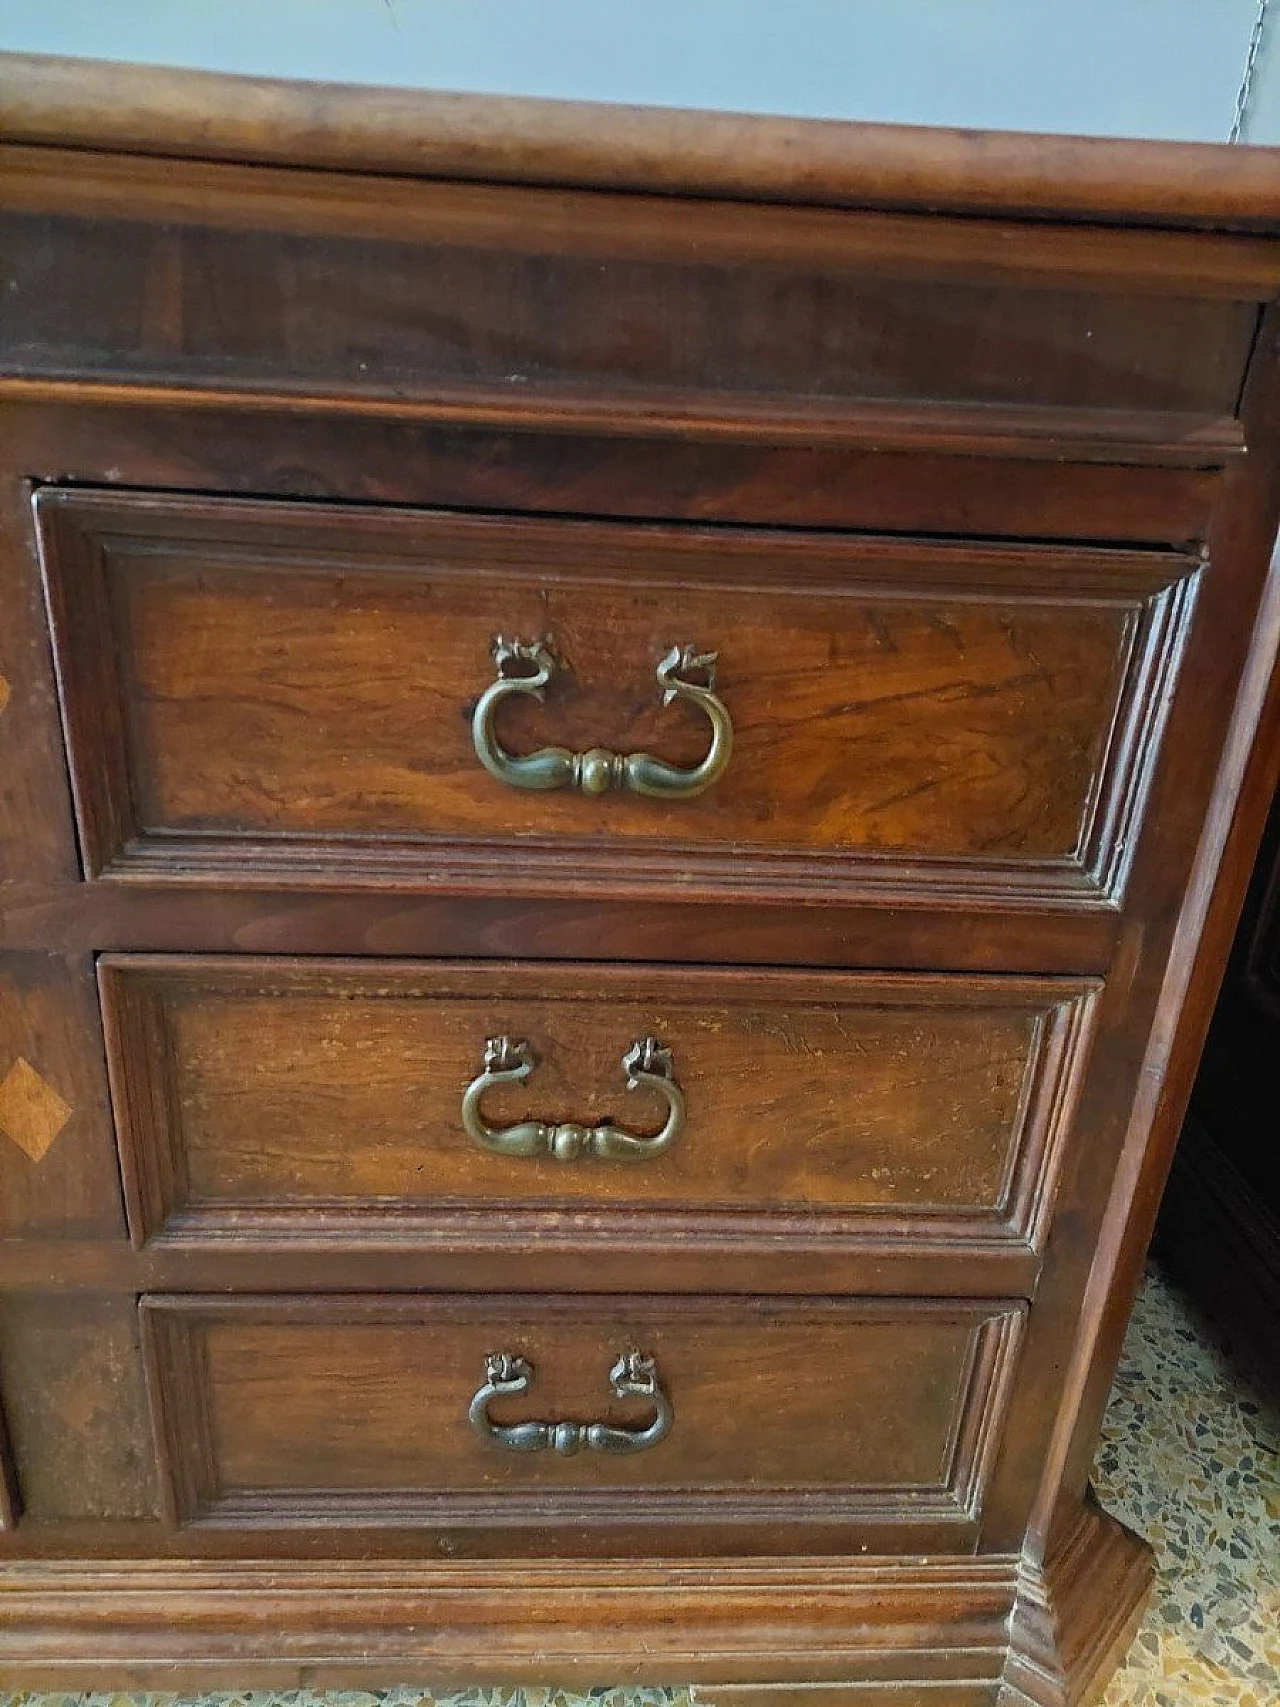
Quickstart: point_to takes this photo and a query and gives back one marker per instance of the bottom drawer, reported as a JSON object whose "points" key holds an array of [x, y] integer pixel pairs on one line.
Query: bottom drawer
{"points": [[454, 1415]]}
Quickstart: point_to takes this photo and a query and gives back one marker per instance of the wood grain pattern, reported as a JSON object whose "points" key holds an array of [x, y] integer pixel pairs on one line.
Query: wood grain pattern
{"points": [[348, 127], [32, 1113], [1075, 1617], [76, 1408], [372, 286], [291, 688], [497, 1253], [281, 1411], [58, 1171], [37, 834], [918, 468], [278, 1100], [922, 1632], [237, 384], [1018, 433], [920, 931], [1158, 999]]}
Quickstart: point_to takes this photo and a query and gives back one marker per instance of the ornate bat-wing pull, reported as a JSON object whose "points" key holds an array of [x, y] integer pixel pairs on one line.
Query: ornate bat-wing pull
{"points": [[633, 1376], [646, 1064], [527, 667]]}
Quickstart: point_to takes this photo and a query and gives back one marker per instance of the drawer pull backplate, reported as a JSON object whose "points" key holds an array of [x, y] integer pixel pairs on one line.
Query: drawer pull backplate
{"points": [[526, 668], [647, 1065], [633, 1376]]}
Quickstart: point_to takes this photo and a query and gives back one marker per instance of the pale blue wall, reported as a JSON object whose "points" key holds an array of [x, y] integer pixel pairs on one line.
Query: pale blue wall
{"points": [[1264, 107], [1163, 68]]}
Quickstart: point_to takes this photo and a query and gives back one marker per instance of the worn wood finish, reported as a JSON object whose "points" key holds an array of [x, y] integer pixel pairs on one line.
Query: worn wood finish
{"points": [[917, 1631], [58, 1172], [52, 100], [919, 931], [878, 432], [285, 1100], [1070, 430], [1180, 984], [496, 1253], [76, 1408], [999, 473], [600, 291], [253, 686], [1075, 1616], [929, 1629], [280, 1412]]}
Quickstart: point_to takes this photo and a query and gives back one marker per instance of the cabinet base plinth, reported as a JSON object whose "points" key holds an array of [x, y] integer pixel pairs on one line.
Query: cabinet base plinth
{"points": [[1074, 1619], [960, 1632]]}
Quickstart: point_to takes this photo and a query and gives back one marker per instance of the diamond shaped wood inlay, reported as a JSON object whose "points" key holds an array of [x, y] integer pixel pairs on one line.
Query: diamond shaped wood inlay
{"points": [[31, 1111]]}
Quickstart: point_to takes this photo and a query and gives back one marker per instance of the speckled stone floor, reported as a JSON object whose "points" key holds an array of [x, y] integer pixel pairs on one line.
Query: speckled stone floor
{"points": [[1190, 1457]]}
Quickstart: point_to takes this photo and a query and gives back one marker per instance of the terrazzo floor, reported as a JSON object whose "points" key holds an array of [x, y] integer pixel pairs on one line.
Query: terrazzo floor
{"points": [[1190, 1457]]}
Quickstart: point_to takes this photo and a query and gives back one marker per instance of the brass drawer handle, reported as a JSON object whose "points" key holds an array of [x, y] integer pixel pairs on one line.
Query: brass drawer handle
{"points": [[508, 1062], [633, 1376], [528, 667]]}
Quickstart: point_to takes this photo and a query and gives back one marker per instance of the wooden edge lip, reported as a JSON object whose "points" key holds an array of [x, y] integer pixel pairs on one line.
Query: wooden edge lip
{"points": [[361, 1622], [1123, 438], [69, 102]]}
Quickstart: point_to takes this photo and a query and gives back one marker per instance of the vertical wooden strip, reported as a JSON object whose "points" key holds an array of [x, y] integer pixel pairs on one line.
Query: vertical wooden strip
{"points": [[37, 836]]}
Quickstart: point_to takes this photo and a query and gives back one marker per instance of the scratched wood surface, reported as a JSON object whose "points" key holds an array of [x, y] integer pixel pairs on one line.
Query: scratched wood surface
{"points": [[1013, 738], [309, 675], [547, 291], [59, 1175], [283, 1088], [329, 1399]]}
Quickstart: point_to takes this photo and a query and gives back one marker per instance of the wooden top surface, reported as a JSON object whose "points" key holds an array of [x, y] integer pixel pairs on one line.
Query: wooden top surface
{"points": [[212, 116]]}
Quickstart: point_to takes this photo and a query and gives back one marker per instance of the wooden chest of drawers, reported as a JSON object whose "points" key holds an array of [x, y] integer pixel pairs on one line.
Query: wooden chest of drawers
{"points": [[629, 747]]}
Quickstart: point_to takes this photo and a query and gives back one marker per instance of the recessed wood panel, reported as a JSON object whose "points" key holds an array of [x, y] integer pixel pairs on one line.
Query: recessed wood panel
{"points": [[258, 689], [277, 1100], [281, 1411]]}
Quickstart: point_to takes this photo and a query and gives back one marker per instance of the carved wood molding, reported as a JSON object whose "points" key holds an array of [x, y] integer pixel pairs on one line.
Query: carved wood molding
{"points": [[139, 993], [743, 1623], [72, 102], [189, 1413], [1075, 1616]]}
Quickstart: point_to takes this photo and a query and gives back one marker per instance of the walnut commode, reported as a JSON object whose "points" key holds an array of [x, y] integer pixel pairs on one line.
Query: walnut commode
{"points": [[630, 743]]}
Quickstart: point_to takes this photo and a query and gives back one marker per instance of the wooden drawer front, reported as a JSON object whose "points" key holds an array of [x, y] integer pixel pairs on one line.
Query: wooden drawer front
{"points": [[288, 1099], [287, 690], [312, 1410], [521, 300]]}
